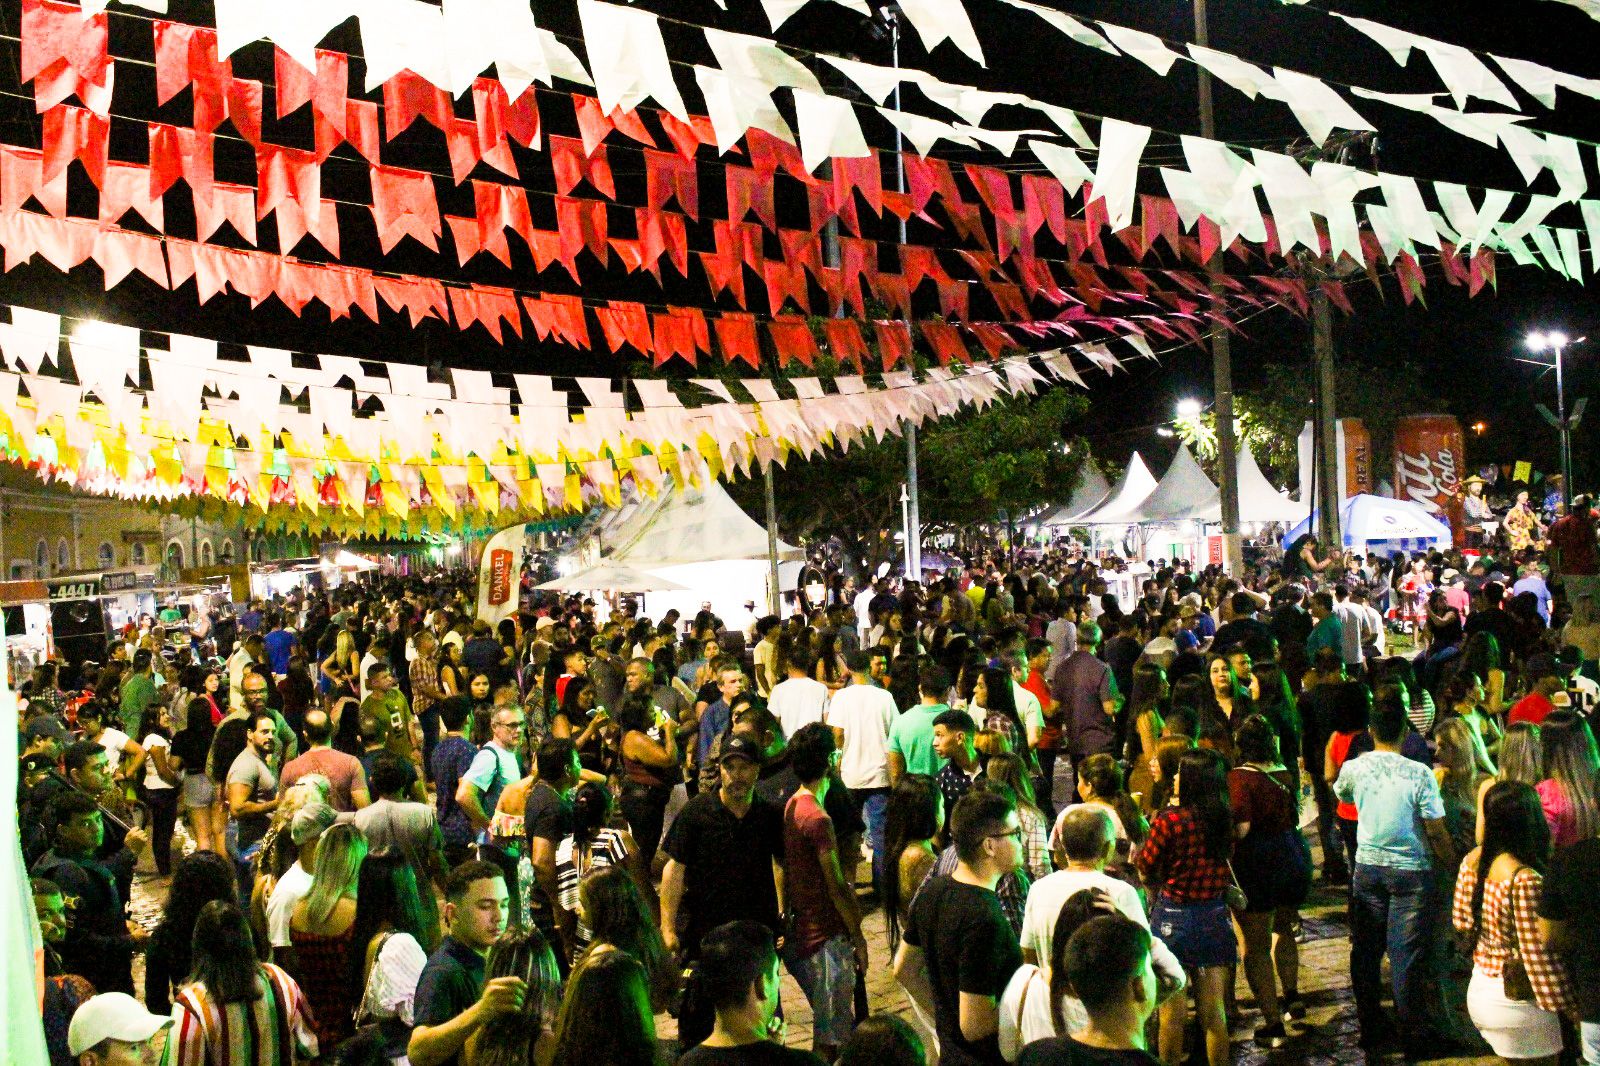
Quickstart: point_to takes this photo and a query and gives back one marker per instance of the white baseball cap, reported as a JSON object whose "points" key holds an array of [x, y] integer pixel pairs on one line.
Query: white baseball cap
{"points": [[112, 1016]]}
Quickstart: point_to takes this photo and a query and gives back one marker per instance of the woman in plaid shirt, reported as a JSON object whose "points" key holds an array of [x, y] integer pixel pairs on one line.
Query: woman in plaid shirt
{"points": [[1184, 862], [1500, 910]]}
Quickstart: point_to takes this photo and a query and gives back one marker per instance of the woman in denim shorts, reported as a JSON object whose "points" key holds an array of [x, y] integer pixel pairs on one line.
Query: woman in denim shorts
{"points": [[1184, 862]]}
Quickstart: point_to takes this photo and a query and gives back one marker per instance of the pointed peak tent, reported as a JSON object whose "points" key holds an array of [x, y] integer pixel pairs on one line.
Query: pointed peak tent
{"points": [[1183, 493], [1122, 507], [697, 524], [1258, 500], [1092, 491]]}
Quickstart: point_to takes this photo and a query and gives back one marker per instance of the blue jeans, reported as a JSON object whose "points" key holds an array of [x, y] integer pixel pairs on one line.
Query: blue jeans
{"points": [[874, 804], [1390, 913]]}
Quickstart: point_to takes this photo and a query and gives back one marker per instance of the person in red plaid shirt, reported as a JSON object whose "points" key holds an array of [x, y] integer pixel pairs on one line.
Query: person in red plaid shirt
{"points": [[1184, 862], [1500, 910]]}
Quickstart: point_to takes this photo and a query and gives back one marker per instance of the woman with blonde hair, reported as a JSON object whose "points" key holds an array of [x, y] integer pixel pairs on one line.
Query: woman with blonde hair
{"points": [[1459, 765], [1521, 760], [322, 932], [341, 669]]}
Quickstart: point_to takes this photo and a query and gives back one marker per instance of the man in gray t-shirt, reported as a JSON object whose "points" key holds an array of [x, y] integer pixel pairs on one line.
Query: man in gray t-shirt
{"points": [[252, 787]]}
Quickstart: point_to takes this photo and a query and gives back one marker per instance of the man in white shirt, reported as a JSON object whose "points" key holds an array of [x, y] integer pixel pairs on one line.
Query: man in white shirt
{"points": [[1357, 627], [1088, 840], [1029, 709], [801, 699], [249, 651], [305, 829], [865, 713], [1062, 632]]}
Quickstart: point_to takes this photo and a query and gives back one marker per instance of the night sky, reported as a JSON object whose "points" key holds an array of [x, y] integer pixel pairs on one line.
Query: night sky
{"points": [[1468, 345]]}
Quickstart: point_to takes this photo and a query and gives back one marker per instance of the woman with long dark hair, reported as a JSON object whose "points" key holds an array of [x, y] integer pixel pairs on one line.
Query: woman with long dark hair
{"points": [[205, 819], [649, 750], [996, 704], [593, 845], [1223, 704], [391, 941], [605, 1015], [236, 1010], [619, 919], [1483, 657], [1145, 711], [1569, 793], [1464, 697], [520, 1037], [197, 879], [913, 819], [1273, 866], [1184, 862], [1496, 901]]}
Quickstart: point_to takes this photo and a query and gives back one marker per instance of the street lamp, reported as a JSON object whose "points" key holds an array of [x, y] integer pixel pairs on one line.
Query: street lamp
{"points": [[1189, 408], [1557, 342]]}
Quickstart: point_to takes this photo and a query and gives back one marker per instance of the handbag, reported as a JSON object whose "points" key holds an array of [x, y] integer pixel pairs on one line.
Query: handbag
{"points": [[1514, 974]]}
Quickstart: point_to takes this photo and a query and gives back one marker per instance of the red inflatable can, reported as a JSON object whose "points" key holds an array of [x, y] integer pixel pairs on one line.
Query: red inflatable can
{"points": [[1429, 456]]}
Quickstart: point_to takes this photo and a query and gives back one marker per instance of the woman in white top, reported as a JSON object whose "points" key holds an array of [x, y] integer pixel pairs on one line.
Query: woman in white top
{"points": [[389, 931], [158, 789]]}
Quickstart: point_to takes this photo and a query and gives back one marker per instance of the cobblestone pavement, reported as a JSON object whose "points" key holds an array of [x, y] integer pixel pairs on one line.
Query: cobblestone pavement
{"points": [[1327, 1036]]}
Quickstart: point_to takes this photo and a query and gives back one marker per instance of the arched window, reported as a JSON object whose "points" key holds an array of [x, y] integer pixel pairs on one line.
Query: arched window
{"points": [[227, 551], [107, 556], [138, 554], [63, 555], [206, 555], [41, 558], [175, 554]]}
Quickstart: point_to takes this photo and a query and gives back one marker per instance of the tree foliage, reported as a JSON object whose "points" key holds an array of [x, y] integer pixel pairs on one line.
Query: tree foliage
{"points": [[1269, 416]]}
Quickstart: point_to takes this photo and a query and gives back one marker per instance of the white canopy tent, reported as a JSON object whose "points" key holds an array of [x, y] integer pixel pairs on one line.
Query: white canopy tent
{"points": [[699, 540], [1091, 492], [612, 577], [1183, 493], [1258, 500], [1121, 508]]}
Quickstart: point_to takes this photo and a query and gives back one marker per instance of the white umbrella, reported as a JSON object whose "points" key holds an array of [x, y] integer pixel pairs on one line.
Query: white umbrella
{"points": [[613, 577]]}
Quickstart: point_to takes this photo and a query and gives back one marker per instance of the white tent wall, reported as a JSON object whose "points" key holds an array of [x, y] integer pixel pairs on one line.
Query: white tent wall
{"points": [[727, 585], [1135, 484], [1184, 492], [701, 539], [1091, 492]]}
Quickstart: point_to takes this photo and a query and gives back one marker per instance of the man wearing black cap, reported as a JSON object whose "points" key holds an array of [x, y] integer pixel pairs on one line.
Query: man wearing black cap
{"points": [[45, 735], [721, 855]]}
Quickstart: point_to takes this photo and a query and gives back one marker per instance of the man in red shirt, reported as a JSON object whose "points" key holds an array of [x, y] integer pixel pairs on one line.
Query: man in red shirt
{"points": [[1572, 539], [1537, 705]]}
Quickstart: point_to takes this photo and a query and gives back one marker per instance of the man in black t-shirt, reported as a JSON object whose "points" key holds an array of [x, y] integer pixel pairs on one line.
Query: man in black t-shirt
{"points": [[959, 952], [1108, 965], [721, 855], [1574, 928], [547, 819], [737, 977], [452, 1000]]}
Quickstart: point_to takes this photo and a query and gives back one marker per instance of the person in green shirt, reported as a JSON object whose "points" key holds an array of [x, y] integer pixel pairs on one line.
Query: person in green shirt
{"points": [[138, 691], [386, 701], [911, 736], [1328, 632]]}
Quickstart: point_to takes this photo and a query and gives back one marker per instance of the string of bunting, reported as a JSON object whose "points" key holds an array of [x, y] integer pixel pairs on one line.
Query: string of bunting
{"points": [[213, 428]]}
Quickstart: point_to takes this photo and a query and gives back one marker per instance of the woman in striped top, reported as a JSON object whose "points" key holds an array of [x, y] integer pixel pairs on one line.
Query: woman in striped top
{"points": [[237, 1011]]}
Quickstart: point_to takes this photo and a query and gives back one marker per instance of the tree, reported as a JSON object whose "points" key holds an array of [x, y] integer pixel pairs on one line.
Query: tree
{"points": [[1012, 456], [1272, 414]]}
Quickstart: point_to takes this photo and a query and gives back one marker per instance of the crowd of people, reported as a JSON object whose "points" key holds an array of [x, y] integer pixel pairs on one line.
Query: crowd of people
{"points": [[389, 833]]}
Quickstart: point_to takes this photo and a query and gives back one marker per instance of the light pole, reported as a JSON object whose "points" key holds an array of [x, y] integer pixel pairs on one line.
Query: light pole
{"points": [[1557, 342]]}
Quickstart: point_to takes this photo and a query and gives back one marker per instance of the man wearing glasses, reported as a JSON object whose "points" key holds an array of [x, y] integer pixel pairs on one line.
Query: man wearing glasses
{"points": [[959, 951], [494, 767]]}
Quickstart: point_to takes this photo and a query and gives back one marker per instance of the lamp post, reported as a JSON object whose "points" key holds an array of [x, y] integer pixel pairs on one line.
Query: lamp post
{"points": [[1558, 342]]}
